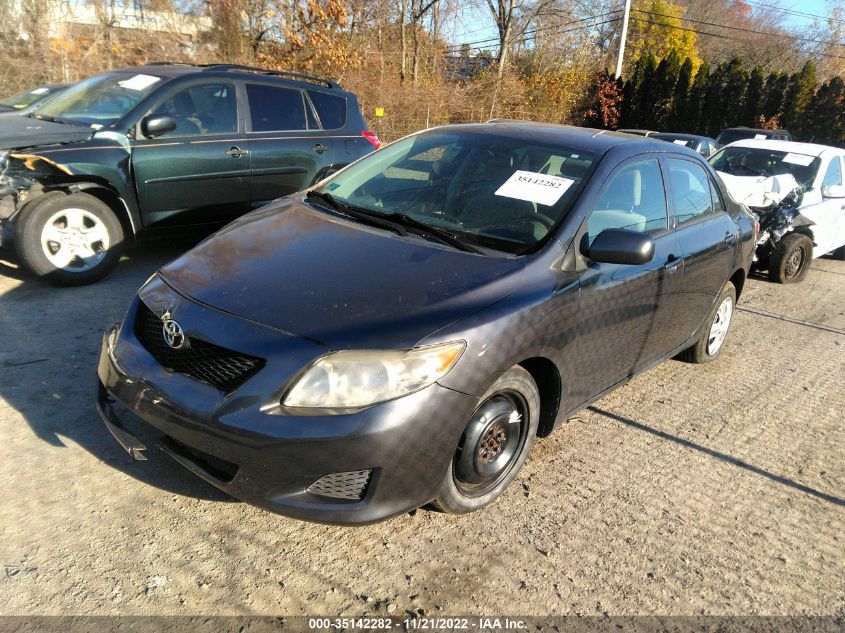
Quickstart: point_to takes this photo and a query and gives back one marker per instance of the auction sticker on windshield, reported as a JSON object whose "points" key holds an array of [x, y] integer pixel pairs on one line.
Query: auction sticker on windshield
{"points": [[139, 82], [534, 187], [798, 159]]}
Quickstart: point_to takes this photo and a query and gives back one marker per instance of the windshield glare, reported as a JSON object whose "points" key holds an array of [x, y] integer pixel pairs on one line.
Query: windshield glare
{"points": [[494, 191], [755, 161], [99, 101]]}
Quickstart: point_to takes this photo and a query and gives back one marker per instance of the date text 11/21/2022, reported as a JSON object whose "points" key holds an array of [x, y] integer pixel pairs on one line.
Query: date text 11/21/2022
{"points": [[419, 623]]}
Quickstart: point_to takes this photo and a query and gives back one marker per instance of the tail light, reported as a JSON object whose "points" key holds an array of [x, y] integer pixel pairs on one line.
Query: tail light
{"points": [[372, 137]]}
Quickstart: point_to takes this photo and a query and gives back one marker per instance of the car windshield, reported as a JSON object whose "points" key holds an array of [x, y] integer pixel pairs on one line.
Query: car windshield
{"points": [[758, 161], [25, 99], [492, 191], [99, 101]]}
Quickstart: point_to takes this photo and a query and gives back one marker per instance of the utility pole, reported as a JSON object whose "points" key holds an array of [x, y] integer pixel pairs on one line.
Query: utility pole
{"points": [[622, 38]]}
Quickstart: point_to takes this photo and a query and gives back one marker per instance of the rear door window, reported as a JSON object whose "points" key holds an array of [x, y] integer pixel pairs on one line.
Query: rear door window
{"points": [[275, 109], [690, 190], [634, 199], [330, 108]]}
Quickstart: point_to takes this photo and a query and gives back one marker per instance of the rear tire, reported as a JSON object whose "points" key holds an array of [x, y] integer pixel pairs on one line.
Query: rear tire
{"points": [[791, 259], [839, 253], [709, 345], [494, 445], [69, 240]]}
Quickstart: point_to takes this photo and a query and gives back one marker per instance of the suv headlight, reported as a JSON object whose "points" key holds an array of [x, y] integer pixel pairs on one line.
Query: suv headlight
{"points": [[356, 379]]}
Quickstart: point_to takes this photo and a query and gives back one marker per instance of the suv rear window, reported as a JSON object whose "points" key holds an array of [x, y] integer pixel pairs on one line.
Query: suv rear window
{"points": [[330, 108], [273, 108]]}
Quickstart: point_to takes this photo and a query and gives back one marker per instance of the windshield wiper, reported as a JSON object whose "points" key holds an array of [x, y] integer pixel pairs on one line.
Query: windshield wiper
{"points": [[52, 119], [368, 217], [396, 222], [446, 237]]}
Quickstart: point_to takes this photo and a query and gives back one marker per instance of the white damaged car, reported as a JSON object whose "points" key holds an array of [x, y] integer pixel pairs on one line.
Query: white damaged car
{"points": [[797, 192]]}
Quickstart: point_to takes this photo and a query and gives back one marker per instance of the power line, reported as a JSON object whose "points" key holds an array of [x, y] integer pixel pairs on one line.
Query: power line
{"points": [[802, 14], [717, 35], [495, 40], [738, 28]]}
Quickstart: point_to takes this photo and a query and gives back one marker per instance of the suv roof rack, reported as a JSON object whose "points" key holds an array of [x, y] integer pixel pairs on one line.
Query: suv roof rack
{"points": [[274, 73]]}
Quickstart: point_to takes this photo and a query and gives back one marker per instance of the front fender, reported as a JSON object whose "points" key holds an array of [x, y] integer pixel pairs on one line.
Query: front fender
{"points": [[102, 162]]}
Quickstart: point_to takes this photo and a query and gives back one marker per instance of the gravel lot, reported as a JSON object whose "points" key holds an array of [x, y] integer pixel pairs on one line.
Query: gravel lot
{"points": [[692, 490]]}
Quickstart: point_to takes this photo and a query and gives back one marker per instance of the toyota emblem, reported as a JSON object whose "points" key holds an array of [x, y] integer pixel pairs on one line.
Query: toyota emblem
{"points": [[173, 334]]}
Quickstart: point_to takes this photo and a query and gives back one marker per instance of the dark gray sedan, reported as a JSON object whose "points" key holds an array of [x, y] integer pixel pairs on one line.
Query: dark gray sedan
{"points": [[402, 332]]}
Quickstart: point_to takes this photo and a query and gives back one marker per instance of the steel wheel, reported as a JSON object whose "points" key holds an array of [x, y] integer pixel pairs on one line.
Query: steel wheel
{"points": [[75, 240], [795, 262], [720, 325], [492, 443]]}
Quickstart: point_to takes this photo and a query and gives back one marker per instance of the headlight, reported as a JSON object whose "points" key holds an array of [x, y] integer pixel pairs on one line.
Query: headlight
{"points": [[355, 379]]}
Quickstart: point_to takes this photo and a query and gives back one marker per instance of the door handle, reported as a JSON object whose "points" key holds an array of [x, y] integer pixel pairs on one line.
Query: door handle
{"points": [[672, 263], [235, 152], [320, 148], [730, 238]]}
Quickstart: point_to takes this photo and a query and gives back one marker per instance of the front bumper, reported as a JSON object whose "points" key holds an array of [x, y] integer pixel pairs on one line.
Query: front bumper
{"points": [[272, 460]]}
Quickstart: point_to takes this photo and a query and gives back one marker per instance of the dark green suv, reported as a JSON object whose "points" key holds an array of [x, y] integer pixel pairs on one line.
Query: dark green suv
{"points": [[160, 146]]}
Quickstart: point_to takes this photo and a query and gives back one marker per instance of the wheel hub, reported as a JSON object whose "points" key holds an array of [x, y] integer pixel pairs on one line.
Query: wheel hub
{"points": [[491, 444], [720, 325], [74, 239], [794, 262]]}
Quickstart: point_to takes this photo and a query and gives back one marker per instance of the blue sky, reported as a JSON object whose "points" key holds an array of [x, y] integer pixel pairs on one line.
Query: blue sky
{"points": [[474, 22]]}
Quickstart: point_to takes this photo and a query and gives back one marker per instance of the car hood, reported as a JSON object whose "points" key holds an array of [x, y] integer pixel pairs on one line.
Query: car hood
{"points": [[759, 191], [342, 284], [23, 131]]}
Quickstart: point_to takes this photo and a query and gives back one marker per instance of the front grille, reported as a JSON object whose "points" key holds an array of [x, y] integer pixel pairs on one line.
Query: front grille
{"points": [[214, 365], [349, 485]]}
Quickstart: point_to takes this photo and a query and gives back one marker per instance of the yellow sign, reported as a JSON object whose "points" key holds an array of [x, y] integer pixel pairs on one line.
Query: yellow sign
{"points": [[379, 111]]}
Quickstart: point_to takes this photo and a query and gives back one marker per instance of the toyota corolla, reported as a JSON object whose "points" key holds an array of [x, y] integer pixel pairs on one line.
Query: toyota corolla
{"points": [[400, 334]]}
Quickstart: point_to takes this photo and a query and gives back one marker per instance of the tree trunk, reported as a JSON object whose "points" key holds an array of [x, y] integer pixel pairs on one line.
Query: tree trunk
{"points": [[415, 64], [403, 46], [502, 58]]}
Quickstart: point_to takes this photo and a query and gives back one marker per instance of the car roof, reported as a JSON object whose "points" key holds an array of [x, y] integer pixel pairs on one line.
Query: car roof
{"points": [[743, 128], [636, 131], [809, 149], [175, 69], [577, 138], [679, 135]]}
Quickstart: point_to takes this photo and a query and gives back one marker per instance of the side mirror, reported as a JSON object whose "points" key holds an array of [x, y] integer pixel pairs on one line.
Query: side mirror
{"points": [[621, 246], [833, 191], [152, 126]]}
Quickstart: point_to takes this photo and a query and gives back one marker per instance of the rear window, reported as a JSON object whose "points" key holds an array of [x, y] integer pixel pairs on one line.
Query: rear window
{"points": [[729, 136], [330, 108], [273, 108]]}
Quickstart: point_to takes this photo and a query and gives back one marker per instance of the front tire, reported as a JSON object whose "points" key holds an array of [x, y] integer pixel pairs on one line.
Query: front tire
{"points": [[709, 345], [494, 445], [791, 259], [69, 240], [839, 253]]}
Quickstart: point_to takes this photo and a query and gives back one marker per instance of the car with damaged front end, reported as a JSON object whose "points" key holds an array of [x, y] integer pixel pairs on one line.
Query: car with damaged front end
{"points": [[797, 191], [163, 146], [402, 332]]}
